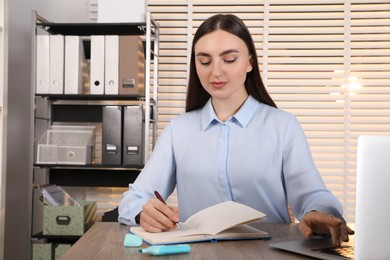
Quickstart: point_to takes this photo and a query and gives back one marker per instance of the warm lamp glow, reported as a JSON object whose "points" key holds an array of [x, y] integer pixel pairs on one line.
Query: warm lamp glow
{"points": [[351, 87]]}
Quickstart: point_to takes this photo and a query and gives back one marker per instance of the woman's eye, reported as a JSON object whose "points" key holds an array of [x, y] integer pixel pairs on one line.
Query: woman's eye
{"points": [[205, 63], [230, 60]]}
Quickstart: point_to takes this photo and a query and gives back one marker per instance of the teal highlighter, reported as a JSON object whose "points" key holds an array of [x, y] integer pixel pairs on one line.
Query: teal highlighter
{"points": [[166, 250]]}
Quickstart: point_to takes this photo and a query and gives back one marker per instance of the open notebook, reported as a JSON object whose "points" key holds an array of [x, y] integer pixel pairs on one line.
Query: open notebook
{"points": [[224, 221], [372, 226]]}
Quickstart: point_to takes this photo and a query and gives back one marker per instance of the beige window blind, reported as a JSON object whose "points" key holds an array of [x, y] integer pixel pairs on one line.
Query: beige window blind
{"points": [[368, 66], [173, 19]]}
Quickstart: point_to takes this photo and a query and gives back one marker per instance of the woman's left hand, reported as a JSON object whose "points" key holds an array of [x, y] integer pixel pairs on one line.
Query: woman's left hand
{"points": [[324, 223]]}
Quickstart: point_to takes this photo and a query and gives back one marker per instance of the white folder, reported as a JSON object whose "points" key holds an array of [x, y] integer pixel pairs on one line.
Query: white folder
{"points": [[111, 64], [56, 64], [97, 65], [42, 66], [74, 58]]}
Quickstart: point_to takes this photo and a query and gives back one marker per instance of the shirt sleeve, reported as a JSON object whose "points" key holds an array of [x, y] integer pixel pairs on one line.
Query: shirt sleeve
{"points": [[158, 174], [305, 188]]}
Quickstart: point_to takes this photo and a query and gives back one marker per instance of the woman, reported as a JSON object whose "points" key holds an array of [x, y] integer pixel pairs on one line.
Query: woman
{"points": [[231, 144]]}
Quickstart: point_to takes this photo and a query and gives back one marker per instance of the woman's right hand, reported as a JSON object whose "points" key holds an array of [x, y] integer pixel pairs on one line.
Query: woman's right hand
{"points": [[157, 216]]}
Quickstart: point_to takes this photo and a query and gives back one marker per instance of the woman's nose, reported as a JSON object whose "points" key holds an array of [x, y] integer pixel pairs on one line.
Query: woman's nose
{"points": [[217, 69]]}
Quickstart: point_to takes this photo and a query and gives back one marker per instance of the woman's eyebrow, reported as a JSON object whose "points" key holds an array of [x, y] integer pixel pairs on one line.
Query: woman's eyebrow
{"points": [[222, 53], [228, 52], [203, 54]]}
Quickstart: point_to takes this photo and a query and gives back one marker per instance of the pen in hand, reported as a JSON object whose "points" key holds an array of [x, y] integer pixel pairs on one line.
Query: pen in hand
{"points": [[158, 196]]}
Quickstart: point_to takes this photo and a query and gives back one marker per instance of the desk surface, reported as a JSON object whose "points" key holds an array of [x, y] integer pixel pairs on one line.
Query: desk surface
{"points": [[105, 241]]}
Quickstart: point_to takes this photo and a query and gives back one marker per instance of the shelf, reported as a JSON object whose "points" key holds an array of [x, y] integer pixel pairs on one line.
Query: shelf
{"points": [[92, 177], [91, 167], [92, 113], [87, 29], [56, 239], [90, 97]]}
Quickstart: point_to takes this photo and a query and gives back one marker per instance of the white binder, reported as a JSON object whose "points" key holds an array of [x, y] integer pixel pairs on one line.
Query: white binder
{"points": [[97, 65], [74, 58], [56, 62], [111, 64], [42, 66]]}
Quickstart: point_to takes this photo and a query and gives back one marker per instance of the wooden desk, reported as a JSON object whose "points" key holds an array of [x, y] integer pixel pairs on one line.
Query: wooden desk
{"points": [[105, 241]]}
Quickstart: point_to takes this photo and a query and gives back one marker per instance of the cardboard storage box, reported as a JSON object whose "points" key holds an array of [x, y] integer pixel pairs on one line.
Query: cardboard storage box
{"points": [[68, 220]]}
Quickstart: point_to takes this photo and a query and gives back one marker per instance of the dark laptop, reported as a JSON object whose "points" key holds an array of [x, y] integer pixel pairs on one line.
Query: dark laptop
{"points": [[318, 248]]}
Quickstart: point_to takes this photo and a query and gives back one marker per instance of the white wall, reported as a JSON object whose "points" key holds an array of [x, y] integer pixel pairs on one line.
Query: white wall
{"points": [[61, 11]]}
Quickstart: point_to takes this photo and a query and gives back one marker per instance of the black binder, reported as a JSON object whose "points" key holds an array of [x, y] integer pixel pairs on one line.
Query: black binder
{"points": [[133, 137], [111, 136]]}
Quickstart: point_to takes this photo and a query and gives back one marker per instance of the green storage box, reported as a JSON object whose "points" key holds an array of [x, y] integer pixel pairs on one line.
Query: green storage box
{"points": [[60, 250], [68, 220], [42, 251]]}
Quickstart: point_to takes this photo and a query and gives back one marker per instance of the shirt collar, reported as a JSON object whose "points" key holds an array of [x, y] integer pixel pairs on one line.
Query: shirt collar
{"points": [[242, 117]]}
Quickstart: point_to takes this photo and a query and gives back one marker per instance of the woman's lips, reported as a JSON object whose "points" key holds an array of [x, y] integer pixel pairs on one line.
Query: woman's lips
{"points": [[218, 84]]}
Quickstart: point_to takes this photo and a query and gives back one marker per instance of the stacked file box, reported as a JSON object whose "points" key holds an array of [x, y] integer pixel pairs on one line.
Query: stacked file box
{"points": [[68, 220], [48, 251], [66, 145]]}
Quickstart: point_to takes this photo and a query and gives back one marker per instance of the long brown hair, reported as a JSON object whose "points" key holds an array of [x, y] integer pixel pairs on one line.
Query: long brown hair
{"points": [[197, 96]]}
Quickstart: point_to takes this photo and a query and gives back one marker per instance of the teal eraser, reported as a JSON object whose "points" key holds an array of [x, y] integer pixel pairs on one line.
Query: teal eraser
{"points": [[132, 240]]}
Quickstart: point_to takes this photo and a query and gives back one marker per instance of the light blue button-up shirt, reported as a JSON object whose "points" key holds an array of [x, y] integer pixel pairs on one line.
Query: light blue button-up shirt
{"points": [[258, 157]]}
